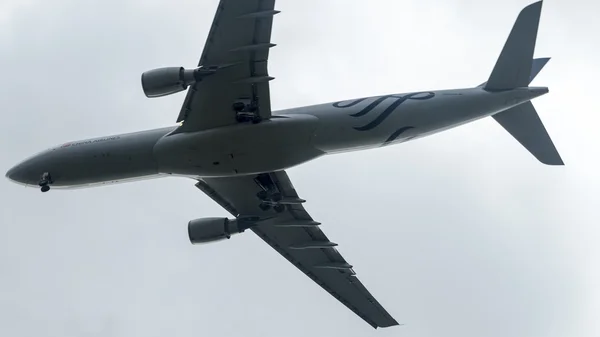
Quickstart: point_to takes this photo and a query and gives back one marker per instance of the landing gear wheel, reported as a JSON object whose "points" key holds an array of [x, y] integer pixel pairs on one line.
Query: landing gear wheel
{"points": [[45, 181], [240, 118], [238, 106], [279, 208], [262, 195], [243, 117]]}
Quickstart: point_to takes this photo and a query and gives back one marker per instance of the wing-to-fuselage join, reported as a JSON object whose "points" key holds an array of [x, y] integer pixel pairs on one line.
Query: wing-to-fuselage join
{"points": [[237, 150]]}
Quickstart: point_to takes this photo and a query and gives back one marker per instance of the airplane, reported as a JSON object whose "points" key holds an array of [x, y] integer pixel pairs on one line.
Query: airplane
{"points": [[236, 149]]}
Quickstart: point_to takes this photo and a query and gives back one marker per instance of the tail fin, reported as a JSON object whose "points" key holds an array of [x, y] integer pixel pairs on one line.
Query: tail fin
{"points": [[516, 68], [513, 68]]}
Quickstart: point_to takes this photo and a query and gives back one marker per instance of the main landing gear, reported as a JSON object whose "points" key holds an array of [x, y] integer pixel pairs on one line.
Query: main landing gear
{"points": [[270, 200], [45, 182], [246, 112], [270, 196]]}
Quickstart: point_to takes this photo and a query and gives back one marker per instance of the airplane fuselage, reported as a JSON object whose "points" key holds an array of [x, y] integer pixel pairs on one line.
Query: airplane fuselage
{"points": [[291, 137]]}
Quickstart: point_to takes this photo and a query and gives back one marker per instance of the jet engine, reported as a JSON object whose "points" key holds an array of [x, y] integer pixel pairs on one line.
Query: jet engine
{"points": [[214, 229], [166, 81]]}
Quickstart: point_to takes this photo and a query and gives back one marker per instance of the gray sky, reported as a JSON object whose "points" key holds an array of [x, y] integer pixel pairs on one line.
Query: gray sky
{"points": [[459, 234]]}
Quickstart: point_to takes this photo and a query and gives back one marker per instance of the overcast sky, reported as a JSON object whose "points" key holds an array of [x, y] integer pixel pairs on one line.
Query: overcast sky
{"points": [[460, 234]]}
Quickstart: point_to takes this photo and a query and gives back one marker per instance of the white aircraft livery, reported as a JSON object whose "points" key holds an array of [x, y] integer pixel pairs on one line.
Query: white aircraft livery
{"points": [[236, 149]]}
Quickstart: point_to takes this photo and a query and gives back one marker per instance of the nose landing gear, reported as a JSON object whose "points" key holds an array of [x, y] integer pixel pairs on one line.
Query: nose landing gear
{"points": [[45, 182]]}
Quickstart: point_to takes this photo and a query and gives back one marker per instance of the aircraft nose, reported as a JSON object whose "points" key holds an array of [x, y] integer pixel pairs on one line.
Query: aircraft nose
{"points": [[16, 174], [22, 174], [10, 173]]}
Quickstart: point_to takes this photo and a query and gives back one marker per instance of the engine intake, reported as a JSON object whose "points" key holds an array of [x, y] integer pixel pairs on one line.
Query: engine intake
{"points": [[166, 81], [214, 229]]}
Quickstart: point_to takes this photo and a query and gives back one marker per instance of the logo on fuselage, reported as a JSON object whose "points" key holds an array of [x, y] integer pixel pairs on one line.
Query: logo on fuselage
{"points": [[91, 141], [397, 101]]}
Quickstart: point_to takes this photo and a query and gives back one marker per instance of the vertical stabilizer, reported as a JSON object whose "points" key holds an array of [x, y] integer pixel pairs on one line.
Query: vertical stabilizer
{"points": [[513, 68]]}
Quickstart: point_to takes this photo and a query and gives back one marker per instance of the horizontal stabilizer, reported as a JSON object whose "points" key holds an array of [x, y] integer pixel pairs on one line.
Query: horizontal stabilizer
{"points": [[537, 66], [513, 68], [524, 124]]}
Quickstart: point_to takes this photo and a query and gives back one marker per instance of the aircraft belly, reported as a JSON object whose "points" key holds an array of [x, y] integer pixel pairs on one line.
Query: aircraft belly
{"points": [[109, 160], [107, 167], [272, 145]]}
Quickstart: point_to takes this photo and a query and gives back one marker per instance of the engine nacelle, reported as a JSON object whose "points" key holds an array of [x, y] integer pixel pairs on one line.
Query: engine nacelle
{"points": [[166, 81], [214, 229]]}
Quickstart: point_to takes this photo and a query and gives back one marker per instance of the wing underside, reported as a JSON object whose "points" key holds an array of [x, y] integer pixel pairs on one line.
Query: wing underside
{"points": [[298, 238], [238, 47]]}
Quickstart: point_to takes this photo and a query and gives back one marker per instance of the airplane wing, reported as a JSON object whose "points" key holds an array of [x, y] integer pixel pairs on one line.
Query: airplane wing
{"points": [[296, 236], [238, 48]]}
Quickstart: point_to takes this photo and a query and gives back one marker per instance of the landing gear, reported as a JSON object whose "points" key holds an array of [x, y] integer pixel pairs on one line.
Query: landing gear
{"points": [[270, 197], [266, 196], [45, 182], [243, 117], [246, 112], [262, 195], [238, 106], [267, 205]]}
